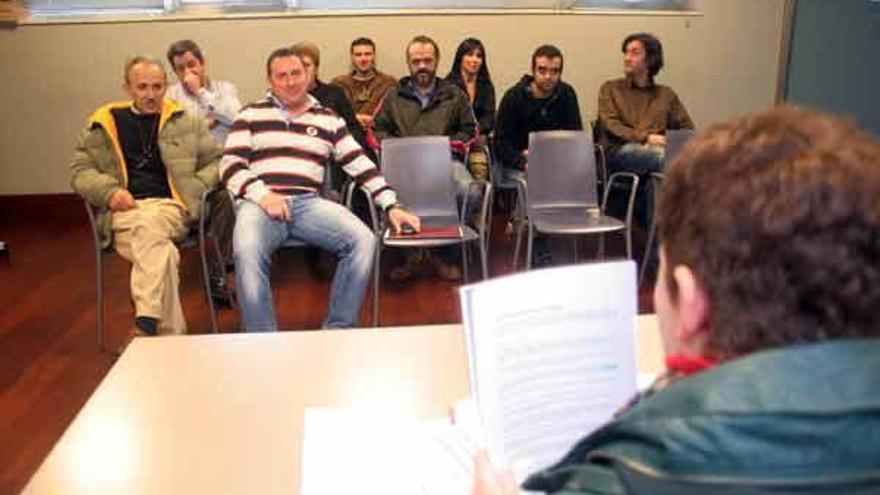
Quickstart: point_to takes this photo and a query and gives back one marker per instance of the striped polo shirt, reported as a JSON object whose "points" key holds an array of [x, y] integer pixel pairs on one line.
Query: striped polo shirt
{"points": [[268, 150]]}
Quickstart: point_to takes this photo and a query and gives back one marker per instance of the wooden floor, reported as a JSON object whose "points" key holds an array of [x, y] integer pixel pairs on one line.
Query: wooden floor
{"points": [[49, 361]]}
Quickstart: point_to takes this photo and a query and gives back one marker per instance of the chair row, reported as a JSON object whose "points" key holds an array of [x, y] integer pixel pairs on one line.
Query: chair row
{"points": [[418, 170], [558, 196]]}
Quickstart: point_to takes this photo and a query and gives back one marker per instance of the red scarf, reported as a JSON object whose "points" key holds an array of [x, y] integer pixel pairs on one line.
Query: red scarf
{"points": [[688, 365]]}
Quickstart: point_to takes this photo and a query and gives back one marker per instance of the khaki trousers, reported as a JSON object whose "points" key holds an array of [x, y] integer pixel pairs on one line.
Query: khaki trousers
{"points": [[145, 236]]}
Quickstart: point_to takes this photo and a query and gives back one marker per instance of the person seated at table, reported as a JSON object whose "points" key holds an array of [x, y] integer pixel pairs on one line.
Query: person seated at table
{"points": [[767, 299]]}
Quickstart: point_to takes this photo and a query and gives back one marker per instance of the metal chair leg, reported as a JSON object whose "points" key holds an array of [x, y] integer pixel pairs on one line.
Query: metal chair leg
{"points": [[206, 281], [99, 297], [464, 260], [529, 241], [376, 278], [483, 256], [516, 247]]}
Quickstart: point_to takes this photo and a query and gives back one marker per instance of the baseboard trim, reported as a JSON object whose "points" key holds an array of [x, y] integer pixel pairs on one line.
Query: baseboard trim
{"points": [[42, 209]]}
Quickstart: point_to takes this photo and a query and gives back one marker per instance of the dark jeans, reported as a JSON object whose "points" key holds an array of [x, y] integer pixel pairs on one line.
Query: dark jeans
{"points": [[641, 160]]}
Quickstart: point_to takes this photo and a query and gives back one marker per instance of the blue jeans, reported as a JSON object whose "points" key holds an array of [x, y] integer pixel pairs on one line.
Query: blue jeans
{"points": [[463, 179], [639, 159], [318, 222]]}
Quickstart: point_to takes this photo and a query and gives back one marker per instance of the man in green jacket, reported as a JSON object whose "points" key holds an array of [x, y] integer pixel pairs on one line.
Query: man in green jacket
{"points": [[423, 104], [767, 299], [146, 163]]}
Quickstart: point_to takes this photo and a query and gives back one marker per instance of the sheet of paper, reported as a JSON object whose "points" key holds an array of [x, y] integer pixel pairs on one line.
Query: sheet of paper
{"points": [[357, 451], [551, 357]]}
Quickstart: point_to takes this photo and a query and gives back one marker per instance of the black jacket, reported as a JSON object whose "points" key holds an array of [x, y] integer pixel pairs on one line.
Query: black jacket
{"points": [[521, 113], [333, 97]]}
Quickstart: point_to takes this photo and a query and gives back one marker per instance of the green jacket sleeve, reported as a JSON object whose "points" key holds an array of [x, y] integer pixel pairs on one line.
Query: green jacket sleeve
{"points": [[383, 123], [208, 156], [87, 177]]}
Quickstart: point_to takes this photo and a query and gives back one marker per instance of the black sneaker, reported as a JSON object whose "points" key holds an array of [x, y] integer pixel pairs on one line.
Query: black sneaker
{"points": [[146, 325], [219, 293]]}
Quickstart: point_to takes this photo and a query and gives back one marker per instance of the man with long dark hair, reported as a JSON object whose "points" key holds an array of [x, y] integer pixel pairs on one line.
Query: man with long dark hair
{"points": [[634, 114]]}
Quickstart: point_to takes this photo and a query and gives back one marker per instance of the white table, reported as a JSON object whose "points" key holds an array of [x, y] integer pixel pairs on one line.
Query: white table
{"points": [[224, 413]]}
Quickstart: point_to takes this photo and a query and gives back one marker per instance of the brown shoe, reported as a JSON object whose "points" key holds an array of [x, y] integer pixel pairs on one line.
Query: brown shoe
{"points": [[405, 271], [445, 270]]}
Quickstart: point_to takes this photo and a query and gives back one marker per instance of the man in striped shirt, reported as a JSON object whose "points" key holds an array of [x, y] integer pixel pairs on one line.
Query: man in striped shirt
{"points": [[274, 165]]}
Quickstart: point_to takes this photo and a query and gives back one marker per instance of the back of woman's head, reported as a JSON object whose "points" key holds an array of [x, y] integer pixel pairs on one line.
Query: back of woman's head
{"points": [[778, 216]]}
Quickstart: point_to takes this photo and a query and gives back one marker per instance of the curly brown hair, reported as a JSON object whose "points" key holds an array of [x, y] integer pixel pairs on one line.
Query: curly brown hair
{"points": [[778, 216]]}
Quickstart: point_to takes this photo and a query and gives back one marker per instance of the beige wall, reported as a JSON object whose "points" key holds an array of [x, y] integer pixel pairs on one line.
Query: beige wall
{"points": [[722, 63]]}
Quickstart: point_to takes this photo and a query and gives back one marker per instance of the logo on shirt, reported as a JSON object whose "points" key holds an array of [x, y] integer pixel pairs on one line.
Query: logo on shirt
{"points": [[311, 131]]}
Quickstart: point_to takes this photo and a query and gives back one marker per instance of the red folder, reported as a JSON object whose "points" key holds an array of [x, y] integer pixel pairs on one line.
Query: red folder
{"points": [[443, 232]]}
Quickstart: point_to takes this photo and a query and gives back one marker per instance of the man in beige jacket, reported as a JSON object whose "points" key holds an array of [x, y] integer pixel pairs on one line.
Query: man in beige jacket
{"points": [[146, 163]]}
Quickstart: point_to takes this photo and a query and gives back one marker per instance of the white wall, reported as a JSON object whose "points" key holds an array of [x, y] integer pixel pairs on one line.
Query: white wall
{"points": [[722, 63]]}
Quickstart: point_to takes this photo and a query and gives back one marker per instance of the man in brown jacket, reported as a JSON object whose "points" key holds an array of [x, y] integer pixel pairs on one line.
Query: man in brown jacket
{"points": [[635, 113], [365, 85]]}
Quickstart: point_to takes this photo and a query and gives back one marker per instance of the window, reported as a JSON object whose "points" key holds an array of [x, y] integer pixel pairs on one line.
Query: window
{"points": [[53, 8], [432, 4], [62, 8], [637, 4]]}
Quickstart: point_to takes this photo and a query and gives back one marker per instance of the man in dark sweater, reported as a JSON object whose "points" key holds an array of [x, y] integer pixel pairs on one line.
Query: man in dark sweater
{"points": [[540, 101]]}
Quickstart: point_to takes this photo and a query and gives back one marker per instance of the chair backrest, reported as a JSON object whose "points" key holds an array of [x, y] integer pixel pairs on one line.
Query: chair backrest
{"points": [[420, 170], [562, 169], [675, 141]]}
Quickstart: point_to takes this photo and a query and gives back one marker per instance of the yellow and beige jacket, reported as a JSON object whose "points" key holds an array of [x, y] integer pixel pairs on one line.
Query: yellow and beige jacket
{"points": [[188, 151]]}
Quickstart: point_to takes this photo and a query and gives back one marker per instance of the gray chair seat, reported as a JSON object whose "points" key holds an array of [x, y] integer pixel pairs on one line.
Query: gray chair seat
{"points": [[468, 234], [560, 194], [574, 221]]}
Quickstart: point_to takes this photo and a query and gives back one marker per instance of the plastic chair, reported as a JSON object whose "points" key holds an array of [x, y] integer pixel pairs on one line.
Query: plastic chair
{"points": [[191, 240], [560, 191], [675, 141], [419, 169], [657, 179]]}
